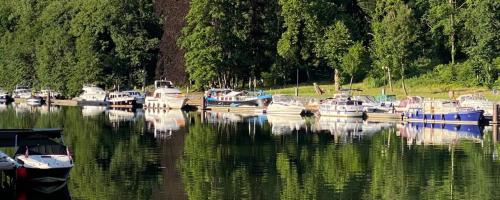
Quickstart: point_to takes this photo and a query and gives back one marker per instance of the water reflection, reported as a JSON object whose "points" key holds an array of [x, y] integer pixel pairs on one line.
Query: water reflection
{"points": [[93, 111], [164, 122], [439, 134], [286, 124], [152, 154], [35, 191]]}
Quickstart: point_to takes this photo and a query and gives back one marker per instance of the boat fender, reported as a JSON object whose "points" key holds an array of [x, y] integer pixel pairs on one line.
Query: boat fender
{"points": [[456, 116]]}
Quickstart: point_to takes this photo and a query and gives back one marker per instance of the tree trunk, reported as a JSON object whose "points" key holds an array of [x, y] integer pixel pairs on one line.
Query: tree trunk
{"points": [[337, 80], [390, 79], [403, 80], [350, 83]]}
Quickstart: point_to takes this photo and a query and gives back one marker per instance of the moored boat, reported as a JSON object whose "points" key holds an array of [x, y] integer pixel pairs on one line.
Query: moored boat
{"points": [[230, 98], [34, 101], [139, 98], [445, 112], [285, 105], [22, 92], [6, 162], [5, 98], [121, 99], [92, 95], [341, 106], [477, 102], [166, 96]]}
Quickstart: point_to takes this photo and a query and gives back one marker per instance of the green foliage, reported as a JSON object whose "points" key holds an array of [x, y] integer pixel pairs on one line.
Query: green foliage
{"points": [[65, 44], [336, 44], [354, 59]]}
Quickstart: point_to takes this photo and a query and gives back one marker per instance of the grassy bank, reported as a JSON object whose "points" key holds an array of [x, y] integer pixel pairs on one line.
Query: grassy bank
{"points": [[438, 91]]}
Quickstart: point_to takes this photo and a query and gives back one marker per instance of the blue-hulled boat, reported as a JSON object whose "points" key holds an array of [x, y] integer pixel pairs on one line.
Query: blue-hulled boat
{"points": [[445, 112]]}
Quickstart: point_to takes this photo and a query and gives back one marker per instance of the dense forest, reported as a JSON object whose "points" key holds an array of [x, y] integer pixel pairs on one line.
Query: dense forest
{"points": [[64, 44]]}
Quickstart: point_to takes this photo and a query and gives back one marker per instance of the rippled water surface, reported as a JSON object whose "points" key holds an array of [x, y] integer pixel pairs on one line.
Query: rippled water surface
{"points": [[149, 154]]}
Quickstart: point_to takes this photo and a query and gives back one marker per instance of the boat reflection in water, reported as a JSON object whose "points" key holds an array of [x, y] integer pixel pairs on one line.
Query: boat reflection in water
{"points": [[439, 134], [346, 129], [45, 109], [124, 115], [213, 117], [164, 122], [11, 190], [286, 124], [92, 111]]}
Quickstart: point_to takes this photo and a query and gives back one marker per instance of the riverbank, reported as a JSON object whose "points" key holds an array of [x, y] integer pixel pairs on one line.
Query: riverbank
{"points": [[440, 91]]}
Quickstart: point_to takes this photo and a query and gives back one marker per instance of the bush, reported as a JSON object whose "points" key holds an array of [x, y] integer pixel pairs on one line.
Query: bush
{"points": [[373, 82]]}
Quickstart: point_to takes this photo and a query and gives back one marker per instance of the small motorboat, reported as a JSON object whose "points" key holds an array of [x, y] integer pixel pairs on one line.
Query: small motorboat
{"points": [[139, 98], [41, 156], [230, 98], [478, 102], [22, 92], [6, 162], [34, 101], [122, 99], [92, 95], [341, 105], [46, 92], [285, 105], [166, 96]]}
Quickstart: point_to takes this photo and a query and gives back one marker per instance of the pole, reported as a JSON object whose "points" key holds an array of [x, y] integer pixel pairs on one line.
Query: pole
{"points": [[297, 84], [495, 113]]}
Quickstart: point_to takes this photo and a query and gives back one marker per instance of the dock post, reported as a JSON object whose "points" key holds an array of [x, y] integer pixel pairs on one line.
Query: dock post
{"points": [[48, 100]]}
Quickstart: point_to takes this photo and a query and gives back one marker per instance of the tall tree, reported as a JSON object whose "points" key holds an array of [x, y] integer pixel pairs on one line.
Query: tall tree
{"points": [[353, 60], [393, 35]]}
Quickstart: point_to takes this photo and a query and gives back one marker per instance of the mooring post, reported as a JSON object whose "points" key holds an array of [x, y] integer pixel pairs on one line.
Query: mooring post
{"points": [[48, 100]]}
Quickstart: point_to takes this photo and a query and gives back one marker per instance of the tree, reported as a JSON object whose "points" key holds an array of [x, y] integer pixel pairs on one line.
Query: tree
{"points": [[336, 44], [393, 36], [353, 60]]}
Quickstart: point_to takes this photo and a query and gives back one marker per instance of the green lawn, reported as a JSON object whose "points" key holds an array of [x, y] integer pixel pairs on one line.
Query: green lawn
{"points": [[426, 90]]}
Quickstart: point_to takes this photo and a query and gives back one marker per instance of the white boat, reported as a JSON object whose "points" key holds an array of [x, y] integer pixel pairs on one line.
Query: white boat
{"points": [[40, 157], [139, 98], [92, 94], [45, 93], [6, 162], [285, 105], [478, 102], [341, 106], [224, 97], [22, 92], [166, 95], [121, 99], [372, 105], [164, 123]]}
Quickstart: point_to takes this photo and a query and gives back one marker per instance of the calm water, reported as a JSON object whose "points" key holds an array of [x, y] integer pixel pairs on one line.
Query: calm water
{"points": [[178, 155]]}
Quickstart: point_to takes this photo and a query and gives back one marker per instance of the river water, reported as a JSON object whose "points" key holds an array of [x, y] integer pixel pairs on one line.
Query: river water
{"points": [[149, 154]]}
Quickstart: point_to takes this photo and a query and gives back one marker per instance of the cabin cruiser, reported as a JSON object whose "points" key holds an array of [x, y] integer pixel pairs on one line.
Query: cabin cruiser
{"points": [[5, 98], [139, 98], [477, 102], [22, 92], [166, 95], [34, 101], [121, 99], [229, 97], [45, 93], [341, 105], [286, 105], [164, 123], [40, 155], [92, 94], [444, 111]]}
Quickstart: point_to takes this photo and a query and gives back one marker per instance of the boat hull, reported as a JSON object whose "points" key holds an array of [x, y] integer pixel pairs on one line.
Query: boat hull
{"points": [[43, 175], [465, 117], [165, 103], [276, 109], [256, 102], [342, 113]]}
